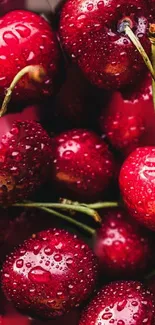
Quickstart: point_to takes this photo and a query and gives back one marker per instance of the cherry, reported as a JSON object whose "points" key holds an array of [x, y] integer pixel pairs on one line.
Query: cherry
{"points": [[82, 164], [137, 185], [25, 156], [122, 247], [120, 303], [129, 119], [27, 38], [56, 270], [92, 34]]}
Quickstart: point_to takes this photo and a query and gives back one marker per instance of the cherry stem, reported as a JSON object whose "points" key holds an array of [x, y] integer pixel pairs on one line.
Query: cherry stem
{"points": [[152, 40], [36, 73], [102, 205], [78, 224], [134, 39], [78, 208], [96, 205]]}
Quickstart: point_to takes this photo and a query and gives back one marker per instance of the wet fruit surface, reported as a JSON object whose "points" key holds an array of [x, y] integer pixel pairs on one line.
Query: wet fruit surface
{"points": [[115, 242], [50, 273], [137, 185], [82, 163], [25, 155], [27, 39], [129, 119], [91, 32], [120, 303]]}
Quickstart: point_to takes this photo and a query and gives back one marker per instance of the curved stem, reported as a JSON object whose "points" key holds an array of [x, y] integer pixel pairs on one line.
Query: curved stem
{"points": [[78, 224], [152, 40], [35, 72], [96, 205], [140, 49], [78, 208], [102, 205]]}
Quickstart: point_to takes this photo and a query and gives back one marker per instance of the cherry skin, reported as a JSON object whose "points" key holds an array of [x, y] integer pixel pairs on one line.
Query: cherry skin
{"points": [[82, 164], [129, 119], [120, 303], [115, 242], [27, 39], [137, 185], [56, 270], [25, 157], [91, 32]]}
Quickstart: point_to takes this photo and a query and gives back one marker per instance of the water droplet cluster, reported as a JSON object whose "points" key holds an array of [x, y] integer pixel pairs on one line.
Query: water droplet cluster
{"points": [[82, 163], [25, 155], [120, 303], [50, 274], [19, 31]]}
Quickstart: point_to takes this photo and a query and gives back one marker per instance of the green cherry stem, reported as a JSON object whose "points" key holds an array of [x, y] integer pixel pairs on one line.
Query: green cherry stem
{"points": [[78, 224], [35, 72], [103, 205], [134, 39], [96, 205], [152, 40], [78, 208]]}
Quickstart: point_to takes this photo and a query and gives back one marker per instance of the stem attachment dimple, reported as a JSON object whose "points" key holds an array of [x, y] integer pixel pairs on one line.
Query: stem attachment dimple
{"points": [[35, 72], [152, 40]]}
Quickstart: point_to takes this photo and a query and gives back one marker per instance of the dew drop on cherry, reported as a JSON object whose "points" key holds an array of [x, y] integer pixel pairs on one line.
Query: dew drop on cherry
{"points": [[39, 275], [19, 263]]}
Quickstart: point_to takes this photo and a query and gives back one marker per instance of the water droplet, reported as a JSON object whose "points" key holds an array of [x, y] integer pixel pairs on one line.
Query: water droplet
{"points": [[67, 154], [20, 263], [6, 275], [30, 56], [121, 305], [36, 249], [134, 303], [57, 257], [10, 38], [28, 264], [2, 57], [107, 315], [135, 316], [48, 250], [39, 275], [120, 322], [23, 30], [22, 251], [69, 261], [125, 41], [90, 7], [100, 4]]}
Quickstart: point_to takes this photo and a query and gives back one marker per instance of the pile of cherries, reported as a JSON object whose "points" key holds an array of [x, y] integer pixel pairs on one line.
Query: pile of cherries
{"points": [[77, 164]]}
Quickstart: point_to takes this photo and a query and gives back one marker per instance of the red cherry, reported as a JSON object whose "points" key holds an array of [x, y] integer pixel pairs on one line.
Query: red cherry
{"points": [[27, 39], [120, 303], [91, 32], [56, 270], [129, 119], [137, 185], [25, 156], [82, 164], [122, 247]]}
